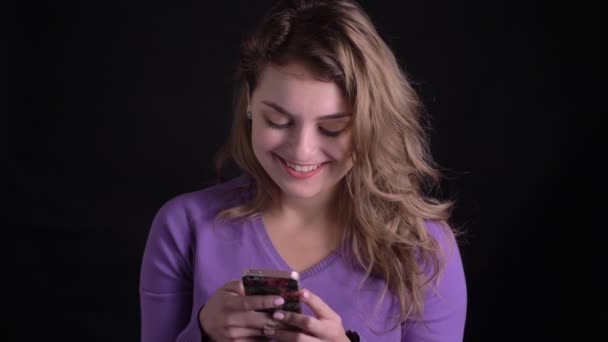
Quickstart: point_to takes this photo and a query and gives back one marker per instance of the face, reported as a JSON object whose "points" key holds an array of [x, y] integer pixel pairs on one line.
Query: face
{"points": [[301, 131]]}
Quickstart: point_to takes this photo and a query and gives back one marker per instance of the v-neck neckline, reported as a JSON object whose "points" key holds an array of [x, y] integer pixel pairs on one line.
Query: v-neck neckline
{"points": [[275, 256]]}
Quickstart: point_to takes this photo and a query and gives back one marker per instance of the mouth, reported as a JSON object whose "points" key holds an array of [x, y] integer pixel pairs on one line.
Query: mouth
{"points": [[300, 171]]}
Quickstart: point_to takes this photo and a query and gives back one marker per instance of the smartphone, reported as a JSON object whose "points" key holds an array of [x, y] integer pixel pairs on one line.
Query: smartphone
{"points": [[274, 282]]}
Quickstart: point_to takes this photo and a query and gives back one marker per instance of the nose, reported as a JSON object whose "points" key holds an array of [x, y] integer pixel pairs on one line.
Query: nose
{"points": [[304, 144]]}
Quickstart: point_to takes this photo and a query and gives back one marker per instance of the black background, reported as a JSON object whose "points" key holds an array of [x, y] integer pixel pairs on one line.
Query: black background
{"points": [[118, 106]]}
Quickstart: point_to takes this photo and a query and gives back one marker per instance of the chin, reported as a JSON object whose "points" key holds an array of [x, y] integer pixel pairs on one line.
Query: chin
{"points": [[298, 192]]}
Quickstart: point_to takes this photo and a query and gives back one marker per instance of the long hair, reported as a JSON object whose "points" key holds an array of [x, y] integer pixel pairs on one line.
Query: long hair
{"points": [[383, 204]]}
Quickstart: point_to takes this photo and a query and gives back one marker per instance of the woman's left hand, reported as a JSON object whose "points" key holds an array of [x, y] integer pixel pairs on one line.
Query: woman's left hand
{"points": [[325, 326]]}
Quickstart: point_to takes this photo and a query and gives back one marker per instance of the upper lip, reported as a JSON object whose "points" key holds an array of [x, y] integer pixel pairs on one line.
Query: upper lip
{"points": [[299, 164]]}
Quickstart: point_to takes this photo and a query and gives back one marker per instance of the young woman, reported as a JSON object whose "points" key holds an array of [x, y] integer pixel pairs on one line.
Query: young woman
{"points": [[335, 165]]}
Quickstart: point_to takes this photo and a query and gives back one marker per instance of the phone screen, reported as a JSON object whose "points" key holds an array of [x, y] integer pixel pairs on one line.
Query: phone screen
{"points": [[266, 285]]}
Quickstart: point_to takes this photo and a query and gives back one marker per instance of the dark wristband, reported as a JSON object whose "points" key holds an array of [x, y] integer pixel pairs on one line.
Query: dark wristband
{"points": [[352, 335]]}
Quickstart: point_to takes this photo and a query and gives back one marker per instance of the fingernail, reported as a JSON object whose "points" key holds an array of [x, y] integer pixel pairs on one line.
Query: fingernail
{"points": [[305, 295], [278, 315], [279, 301]]}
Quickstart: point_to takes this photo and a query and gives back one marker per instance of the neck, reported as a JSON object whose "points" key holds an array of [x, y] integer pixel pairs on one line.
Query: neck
{"points": [[306, 214]]}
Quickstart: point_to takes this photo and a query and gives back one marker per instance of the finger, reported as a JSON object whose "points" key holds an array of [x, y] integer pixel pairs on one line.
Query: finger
{"points": [[306, 323], [251, 339], [242, 333], [292, 336], [269, 330], [250, 303], [235, 286], [317, 305], [251, 319]]}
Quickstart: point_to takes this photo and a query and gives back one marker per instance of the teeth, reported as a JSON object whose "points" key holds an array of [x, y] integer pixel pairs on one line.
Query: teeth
{"points": [[302, 168]]}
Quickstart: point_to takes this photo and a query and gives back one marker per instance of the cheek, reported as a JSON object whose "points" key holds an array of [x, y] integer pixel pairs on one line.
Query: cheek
{"points": [[264, 138], [341, 148]]}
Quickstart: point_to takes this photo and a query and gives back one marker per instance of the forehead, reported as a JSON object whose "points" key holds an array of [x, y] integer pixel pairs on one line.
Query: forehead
{"points": [[294, 87]]}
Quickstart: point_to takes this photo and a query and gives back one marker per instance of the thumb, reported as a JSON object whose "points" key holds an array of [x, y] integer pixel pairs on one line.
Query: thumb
{"points": [[235, 286]]}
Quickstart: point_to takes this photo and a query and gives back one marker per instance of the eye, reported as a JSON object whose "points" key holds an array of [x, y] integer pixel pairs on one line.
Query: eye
{"points": [[275, 125], [330, 133], [333, 129]]}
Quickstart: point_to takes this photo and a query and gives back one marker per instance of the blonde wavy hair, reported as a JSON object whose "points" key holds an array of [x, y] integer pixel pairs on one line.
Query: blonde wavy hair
{"points": [[382, 198]]}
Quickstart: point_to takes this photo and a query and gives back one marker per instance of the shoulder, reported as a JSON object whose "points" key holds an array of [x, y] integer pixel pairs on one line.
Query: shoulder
{"points": [[181, 217], [178, 220], [445, 304], [206, 203], [450, 276], [444, 235], [451, 281]]}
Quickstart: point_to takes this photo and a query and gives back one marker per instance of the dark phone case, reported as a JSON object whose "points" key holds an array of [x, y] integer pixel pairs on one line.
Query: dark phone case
{"points": [[284, 287]]}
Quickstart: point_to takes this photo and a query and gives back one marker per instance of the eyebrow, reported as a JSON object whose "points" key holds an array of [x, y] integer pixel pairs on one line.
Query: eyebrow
{"points": [[291, 115]]}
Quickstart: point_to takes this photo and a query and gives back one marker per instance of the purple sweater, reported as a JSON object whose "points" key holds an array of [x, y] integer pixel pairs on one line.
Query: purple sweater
{"points": [[186, 260]]}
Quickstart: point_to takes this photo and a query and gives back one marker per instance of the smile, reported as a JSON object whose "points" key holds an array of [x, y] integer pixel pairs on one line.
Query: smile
{"points": [[301, 168], [301, 171]]}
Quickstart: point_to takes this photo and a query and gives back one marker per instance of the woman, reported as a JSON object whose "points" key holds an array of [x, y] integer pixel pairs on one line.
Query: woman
{"points": [[327, 133]]}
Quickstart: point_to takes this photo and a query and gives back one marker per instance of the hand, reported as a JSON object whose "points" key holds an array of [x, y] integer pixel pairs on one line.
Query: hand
{"points": [[325, 326], [229, 315]]}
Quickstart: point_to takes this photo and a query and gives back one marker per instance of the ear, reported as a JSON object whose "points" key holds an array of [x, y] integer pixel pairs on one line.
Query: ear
{"points": [[248, 94]]}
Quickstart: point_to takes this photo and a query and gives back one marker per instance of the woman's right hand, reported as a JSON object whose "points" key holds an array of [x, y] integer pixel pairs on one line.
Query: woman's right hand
{"points": [[229, 315]]}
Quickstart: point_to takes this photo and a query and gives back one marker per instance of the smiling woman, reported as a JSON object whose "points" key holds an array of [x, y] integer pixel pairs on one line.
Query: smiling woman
{"points": [[327, 133], [310, 138]]}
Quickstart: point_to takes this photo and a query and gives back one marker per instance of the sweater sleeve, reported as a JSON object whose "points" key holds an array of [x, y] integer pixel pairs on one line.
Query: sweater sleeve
{"points": [[165, 284], [445, 309]]}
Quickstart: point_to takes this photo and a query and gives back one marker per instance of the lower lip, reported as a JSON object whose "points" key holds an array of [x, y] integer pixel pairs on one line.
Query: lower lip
{"points": [[300, 175]]}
